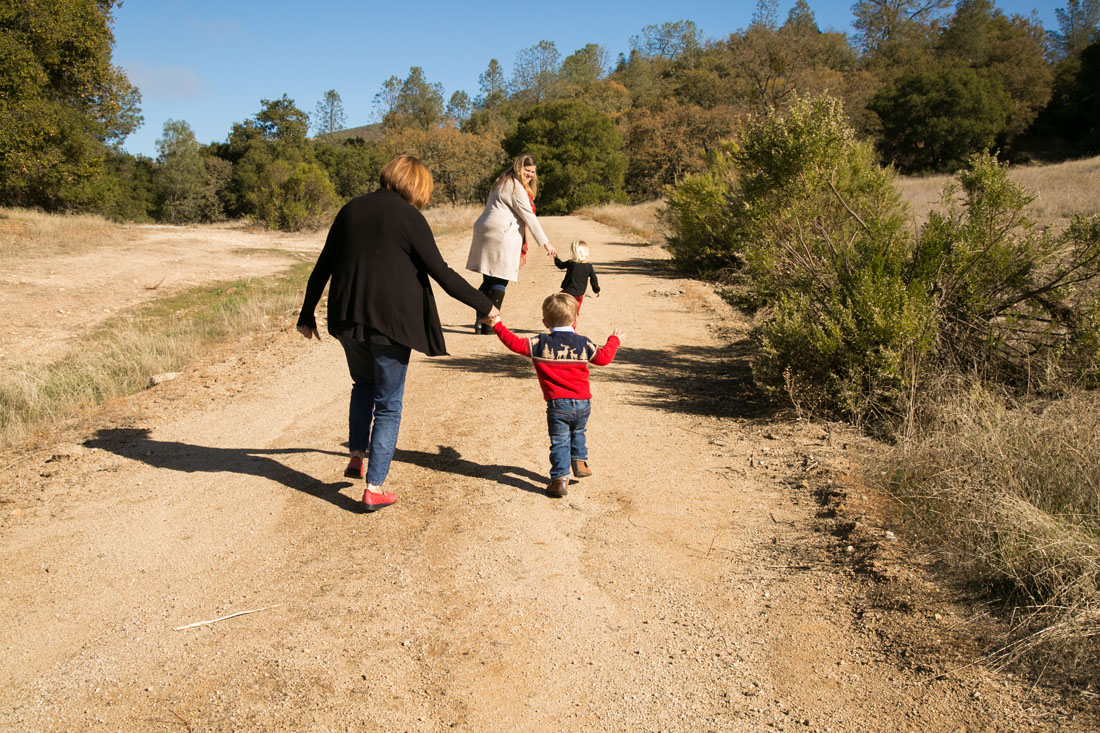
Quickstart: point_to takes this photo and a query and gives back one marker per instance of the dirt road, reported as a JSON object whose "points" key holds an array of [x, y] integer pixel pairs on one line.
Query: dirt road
{"points": [[687, 585]]}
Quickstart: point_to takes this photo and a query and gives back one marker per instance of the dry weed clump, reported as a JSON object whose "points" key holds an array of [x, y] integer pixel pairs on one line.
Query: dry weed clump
{"points": [[122, 356], [28, 233], [638, 219], [1011, 495]]}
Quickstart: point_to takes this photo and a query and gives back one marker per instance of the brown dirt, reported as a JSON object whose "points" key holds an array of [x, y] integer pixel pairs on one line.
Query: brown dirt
{"points": [[47, 301], [700, 580]]}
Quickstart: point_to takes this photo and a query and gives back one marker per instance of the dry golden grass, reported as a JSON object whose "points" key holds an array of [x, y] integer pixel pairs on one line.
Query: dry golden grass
{"points": [[638, 219], [159, 337], [1010, 496], [27, 233], [447, 219], [1061, 190]]}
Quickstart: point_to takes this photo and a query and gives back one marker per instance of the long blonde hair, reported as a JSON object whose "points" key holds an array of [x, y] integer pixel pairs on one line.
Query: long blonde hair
{"points": [[516, 172]]}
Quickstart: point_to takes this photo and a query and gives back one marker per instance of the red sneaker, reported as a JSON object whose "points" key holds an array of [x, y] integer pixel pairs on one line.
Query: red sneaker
{"points": [[355, 468], [372, 501]]}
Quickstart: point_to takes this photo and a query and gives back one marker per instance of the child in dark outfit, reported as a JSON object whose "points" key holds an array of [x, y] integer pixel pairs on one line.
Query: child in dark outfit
{"points": [[561, 360], [578, 273]]}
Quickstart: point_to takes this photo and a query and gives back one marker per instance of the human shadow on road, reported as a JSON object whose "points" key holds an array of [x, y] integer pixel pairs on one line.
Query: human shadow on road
{"points": [[449, 460], [649, 266], [715, 381], [501, 364], [135, 443]]}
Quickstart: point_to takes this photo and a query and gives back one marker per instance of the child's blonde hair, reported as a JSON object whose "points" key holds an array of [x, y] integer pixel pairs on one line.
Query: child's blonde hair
{"points": [[559, 309], [578, 251]]}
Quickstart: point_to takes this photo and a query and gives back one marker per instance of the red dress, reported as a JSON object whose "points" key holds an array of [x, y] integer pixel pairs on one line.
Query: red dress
{"points": [[523, 250]]}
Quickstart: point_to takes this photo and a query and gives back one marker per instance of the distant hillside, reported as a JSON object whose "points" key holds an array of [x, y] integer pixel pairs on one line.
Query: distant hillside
{"points": [[372, 133]]}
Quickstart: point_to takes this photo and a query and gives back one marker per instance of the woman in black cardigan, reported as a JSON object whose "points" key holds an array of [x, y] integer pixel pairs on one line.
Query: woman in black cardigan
{"points": [[379, 254]]}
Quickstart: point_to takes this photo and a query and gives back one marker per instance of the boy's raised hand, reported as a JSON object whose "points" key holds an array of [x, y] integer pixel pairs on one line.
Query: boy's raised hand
{"points": [[618, 333]]}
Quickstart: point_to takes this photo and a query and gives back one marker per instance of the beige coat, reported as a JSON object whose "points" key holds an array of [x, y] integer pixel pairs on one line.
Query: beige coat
{"points": [[498, 232]]}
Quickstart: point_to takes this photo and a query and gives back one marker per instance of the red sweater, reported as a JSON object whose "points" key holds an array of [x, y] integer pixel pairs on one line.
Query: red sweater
{"points": [[561, 360]]}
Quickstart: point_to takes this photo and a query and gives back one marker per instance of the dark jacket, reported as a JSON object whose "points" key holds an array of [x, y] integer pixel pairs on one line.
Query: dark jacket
{"points": [[379, 254], [577, 277]]}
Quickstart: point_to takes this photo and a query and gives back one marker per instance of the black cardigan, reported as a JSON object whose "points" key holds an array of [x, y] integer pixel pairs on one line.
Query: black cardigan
{"points": [[577, 276], [379, 254]]}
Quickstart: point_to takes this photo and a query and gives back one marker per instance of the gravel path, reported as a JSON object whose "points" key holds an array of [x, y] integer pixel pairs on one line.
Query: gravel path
{"points": [[689, 585]]}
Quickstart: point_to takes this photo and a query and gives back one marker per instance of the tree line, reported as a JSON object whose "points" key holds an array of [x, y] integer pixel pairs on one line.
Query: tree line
{"points": [[927, 82]]}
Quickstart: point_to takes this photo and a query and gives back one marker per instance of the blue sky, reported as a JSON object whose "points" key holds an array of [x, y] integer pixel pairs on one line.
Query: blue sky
{"points": [[210, 63]]}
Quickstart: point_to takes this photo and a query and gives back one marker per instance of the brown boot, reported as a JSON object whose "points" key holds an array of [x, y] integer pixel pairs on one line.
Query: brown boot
{"points": [[557, 487], [581, 469]]}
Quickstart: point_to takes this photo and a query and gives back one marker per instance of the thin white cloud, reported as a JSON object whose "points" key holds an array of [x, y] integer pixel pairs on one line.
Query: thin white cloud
{"points": [[164, 82]]}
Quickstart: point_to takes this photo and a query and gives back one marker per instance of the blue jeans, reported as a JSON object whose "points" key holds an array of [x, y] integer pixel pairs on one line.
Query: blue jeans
{"points": [[374, 416], [490, 283], [567, 421]]}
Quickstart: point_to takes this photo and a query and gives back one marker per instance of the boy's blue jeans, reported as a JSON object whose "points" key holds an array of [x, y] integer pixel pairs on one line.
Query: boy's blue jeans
{"points": [[567, 421]]}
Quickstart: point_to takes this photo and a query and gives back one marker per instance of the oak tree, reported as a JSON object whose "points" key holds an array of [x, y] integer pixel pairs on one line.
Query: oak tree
{"points": [[63, 104]]}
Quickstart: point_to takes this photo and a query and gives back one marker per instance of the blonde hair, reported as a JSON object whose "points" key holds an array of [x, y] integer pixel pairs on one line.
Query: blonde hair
{"points": [[516, 172], [578, 251], [559, 309], [410, 178]]}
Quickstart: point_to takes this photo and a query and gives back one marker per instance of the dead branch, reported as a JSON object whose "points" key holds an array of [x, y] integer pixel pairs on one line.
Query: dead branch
{"points": [[223, 618]]}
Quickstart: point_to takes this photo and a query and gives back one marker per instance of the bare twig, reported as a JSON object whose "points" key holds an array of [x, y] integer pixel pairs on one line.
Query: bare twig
{"points": [[22, 458], [849, 208], [181, 718], [223, 618], [154, 287]]}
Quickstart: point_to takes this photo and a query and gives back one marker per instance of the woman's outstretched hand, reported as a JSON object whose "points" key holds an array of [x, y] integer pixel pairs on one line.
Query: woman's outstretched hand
{"points": [[550, 251], [309, 332]]}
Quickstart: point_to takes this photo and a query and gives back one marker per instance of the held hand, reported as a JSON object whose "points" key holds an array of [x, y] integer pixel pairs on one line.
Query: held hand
{"points": [[522, 259], [309, 332], [597, 295], [550, 251], [491, 317]]}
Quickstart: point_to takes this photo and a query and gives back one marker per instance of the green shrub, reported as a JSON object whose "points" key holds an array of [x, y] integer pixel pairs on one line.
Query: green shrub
{"points": [[819, 229], [857, 308], [1016, 303], [294, 198], [697, 216]]}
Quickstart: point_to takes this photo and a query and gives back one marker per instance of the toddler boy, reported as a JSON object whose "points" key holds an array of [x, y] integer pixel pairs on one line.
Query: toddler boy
{"points": [[561, 359]]}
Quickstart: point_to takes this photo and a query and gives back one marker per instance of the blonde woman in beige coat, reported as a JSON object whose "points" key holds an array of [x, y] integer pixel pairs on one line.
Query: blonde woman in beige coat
{"points": [[499, 246]]}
